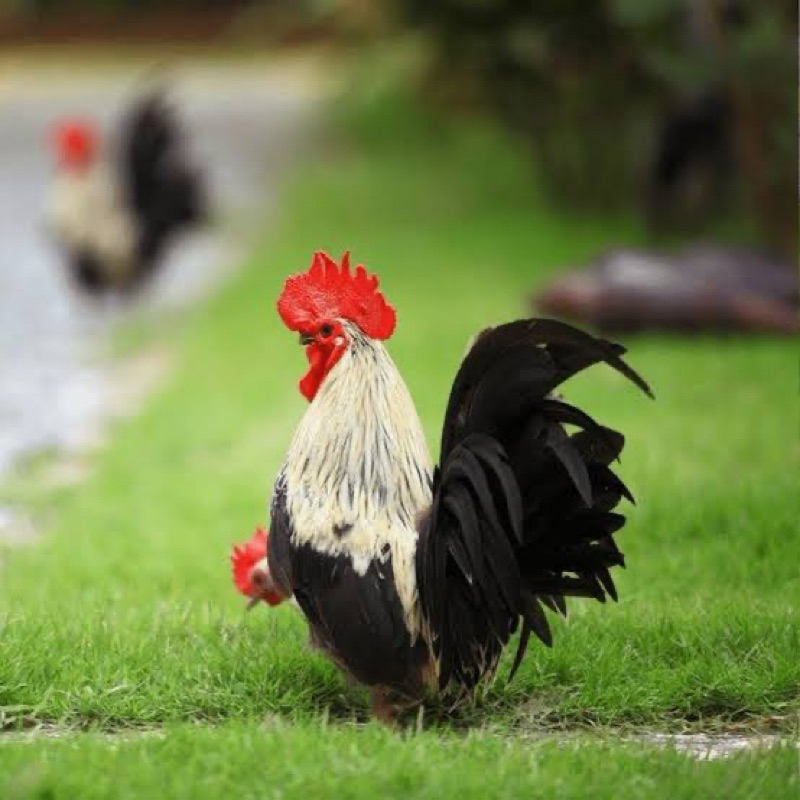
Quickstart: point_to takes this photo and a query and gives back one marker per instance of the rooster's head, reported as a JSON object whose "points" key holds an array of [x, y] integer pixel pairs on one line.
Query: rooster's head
{"points": [[320, 303], [250, 570]]}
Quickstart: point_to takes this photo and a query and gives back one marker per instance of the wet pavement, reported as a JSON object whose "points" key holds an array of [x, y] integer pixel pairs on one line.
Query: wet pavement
{"points": [[247, 124]]}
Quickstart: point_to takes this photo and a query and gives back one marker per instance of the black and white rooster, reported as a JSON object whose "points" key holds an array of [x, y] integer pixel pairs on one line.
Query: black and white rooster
{"points": [[115, 211], [414, 578]]}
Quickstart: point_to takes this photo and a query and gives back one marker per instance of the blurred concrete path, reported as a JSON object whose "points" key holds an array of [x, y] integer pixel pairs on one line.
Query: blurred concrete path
{"points": [[247, 122]]}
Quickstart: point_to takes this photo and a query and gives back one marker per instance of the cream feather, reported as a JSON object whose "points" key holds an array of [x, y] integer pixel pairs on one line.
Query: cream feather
{"points": [[359, 462]]}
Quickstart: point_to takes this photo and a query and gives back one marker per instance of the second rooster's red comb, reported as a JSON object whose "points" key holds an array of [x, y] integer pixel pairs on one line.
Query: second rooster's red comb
{"points": [[328, 290], [75, 141]]}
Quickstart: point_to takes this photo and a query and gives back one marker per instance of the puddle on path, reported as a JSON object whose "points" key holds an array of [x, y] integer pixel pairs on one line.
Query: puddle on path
{"points": [[707, 747]]}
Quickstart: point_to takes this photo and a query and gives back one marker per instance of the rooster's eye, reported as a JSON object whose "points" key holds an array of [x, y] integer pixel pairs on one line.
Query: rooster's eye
{"points": [[326, 331]]}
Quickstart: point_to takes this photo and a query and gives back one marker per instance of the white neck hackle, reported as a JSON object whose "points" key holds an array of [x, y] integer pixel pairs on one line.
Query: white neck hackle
{"points": [[357, 474]]}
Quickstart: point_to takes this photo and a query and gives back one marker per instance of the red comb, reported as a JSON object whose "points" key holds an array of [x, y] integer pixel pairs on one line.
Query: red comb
{"points": [[76, 142], [329, 291], [245, 557]]}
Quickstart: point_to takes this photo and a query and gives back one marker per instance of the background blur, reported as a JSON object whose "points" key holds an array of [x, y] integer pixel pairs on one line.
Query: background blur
{"points": [[677, 108], [676, 116]]}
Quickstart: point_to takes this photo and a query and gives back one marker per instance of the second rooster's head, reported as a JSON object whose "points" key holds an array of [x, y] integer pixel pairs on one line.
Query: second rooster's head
{"points": [[319, 304], [250, 571]]}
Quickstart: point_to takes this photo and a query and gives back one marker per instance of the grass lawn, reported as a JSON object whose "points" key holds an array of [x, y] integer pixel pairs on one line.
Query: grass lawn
{"points": [[123, 614], [305, 760]]}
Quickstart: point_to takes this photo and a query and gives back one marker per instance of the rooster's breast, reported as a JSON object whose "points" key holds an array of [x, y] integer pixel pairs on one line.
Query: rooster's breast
{"points": [[351, 602]]}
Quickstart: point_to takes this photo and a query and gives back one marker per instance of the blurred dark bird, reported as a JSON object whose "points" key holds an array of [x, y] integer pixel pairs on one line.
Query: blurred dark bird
{"points": [[413, 578], [692, 160], [114, 213], [705, 287]]}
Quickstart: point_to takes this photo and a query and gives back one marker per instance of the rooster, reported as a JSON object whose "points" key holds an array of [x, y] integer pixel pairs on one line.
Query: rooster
{"points": [[413, 578], [114, 213]]}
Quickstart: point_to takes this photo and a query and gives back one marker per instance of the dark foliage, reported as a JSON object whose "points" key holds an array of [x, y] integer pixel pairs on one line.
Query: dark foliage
{"points": [[648, 103]]}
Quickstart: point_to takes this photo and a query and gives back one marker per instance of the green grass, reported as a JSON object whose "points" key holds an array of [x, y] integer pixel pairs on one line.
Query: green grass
{"points": [[276, 761], [123, 614]]}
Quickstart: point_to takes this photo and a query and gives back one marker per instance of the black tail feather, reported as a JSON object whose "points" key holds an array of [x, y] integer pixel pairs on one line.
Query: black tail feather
{"points": [[523, 512], [163, 188]]}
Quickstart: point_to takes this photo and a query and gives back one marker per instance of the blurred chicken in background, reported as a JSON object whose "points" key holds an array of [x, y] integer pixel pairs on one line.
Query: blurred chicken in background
{"points": [[114, 207]]}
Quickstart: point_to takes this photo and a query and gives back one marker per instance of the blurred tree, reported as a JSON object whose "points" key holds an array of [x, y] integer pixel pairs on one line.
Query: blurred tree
{"points": [[622, 98], [44, 6]]}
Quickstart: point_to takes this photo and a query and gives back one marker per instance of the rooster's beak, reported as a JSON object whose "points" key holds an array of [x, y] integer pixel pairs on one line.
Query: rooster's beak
{"points": [[306, 338], [252, 603]]}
